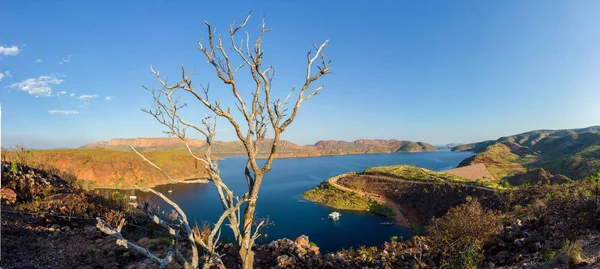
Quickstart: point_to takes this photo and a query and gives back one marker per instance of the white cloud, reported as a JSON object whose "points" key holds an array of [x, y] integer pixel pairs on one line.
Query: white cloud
{"points": [[87, 97], [61, 93], [107, 98], [65, 60], [72, 94], [63, 112], [37, 86], [9, 51], [38, 60], [5, 74]]}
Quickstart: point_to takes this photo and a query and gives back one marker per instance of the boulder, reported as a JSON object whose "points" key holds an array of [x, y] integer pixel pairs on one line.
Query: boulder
{"points": [[8, 196], [303, 241], [64, 210], [519, 242]]}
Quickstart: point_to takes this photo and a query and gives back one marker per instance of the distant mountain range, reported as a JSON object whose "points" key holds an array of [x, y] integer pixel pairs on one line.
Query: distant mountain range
{"points": [[285, 148], [574, 153], [448, 146]]}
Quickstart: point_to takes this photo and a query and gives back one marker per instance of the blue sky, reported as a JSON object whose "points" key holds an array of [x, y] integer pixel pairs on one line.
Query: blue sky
{"points": [[433, 71]]}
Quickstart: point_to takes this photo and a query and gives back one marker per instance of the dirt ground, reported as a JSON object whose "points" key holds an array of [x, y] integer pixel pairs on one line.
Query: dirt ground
{"points": [[475, 171]]}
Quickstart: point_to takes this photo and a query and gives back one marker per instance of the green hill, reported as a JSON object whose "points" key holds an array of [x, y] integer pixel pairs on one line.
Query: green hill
{"points": [[574, 153]]}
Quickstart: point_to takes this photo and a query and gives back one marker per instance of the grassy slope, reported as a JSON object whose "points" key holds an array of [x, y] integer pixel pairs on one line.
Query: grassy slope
{"points": [[111, 168], [574, 153], [409, 172], [328, 195], [499, 160]]}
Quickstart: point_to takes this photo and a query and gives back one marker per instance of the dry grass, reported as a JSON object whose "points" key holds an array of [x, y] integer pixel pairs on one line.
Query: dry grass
{"points": [[94, 168]]}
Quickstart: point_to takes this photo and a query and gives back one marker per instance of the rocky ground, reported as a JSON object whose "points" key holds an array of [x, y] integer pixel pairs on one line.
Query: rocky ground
{"points": [[47, 223]]}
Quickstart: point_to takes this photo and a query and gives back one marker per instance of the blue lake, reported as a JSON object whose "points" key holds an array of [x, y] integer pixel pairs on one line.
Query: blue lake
{"points": [[280, 197]]}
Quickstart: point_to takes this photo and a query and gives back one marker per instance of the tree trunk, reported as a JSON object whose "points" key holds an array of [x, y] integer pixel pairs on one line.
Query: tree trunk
{"points": [[246, 252]]}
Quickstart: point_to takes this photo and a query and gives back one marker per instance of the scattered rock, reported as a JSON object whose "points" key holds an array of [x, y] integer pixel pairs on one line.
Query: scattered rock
{"points": [[143, 241], [89, 229], [519, 242], [285, 261]]}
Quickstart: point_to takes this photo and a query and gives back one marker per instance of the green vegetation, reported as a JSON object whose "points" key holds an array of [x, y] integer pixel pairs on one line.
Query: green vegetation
{"points": [[413, 173], [548, 254], [461, 234], [382, 210], [331, 196], [13, 167], [410, 172], [499, 160], [574, 153]]}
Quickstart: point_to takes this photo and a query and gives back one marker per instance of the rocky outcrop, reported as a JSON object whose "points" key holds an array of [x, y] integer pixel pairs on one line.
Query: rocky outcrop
{"points": [[286, 149]]}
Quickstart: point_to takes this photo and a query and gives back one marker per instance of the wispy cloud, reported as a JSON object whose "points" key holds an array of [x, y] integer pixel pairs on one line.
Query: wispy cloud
{"points": [[65, 60], [87, 97], [71, 95], [107, 98], [61, 93], [5, 74], [41, 86], [63, 112], [9, 51], [38, 60]]}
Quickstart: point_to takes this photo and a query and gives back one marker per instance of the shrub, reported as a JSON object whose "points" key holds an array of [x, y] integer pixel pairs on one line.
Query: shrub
{"points": [[548, 254], [574, 212], [460, 235], [13, 167], [573, 252]]}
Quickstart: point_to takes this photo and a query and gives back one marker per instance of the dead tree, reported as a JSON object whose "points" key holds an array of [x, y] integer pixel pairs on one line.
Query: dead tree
{"points": [[261, 115]]}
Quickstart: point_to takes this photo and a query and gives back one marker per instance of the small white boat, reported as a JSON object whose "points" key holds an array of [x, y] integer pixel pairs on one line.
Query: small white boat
{"points": [[170, 191], [132, 197], [387, 223], [335, 216]]}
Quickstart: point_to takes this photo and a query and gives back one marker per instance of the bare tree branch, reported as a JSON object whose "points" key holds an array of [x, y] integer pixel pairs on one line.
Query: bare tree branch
{"points": [[263, 115], [201, 180]]}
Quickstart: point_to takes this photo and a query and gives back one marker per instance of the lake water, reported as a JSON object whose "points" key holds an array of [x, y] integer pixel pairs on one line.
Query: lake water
{"points": [[280, 197]]}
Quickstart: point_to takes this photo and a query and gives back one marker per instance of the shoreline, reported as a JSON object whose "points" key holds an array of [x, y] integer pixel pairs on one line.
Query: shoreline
{"points": [[322, 155], [139, 188], [401, 220]]}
